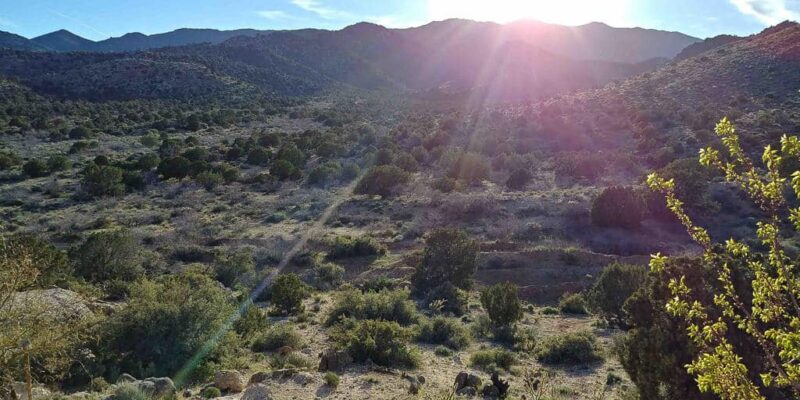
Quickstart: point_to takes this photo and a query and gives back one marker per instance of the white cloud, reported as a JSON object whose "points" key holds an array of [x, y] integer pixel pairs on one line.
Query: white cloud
{"points": [[323, 11], [769, 12], [273, 14]]}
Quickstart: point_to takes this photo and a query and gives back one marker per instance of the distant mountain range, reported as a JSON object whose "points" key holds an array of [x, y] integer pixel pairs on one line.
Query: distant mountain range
{"points": [[595, 41]]}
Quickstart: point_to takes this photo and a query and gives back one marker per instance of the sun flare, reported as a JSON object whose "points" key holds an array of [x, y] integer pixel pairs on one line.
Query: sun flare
{"points": [[568, 12]]}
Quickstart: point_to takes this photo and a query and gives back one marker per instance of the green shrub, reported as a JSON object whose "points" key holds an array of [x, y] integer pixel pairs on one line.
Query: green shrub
{"points": [[442, 351], [550, 311], [58, 162], [35, 169], [383, 342], [569, 348], [195, 154], [108, 255], [151, 139], [291, 360], [502, 304], [259, 156], [389, 305], [129, 391], [287, 293], [101, 160], [53, 265], [350, 170], [619, 207], [228, 172], [447, 331], [328, 276], [102, 180], [231, 268], [518, 179], [470, 167], [8, 159], [210, 392], [252, 322], [346, 247], [446, 185], [293, 155], [449, 256], [80, 132], [615, 285], [331, 379], [381, 180], [277, 336], [283, 170], [407, 162], [581, 165], [98, 385], [148, 161], [209, 180], [492, 359], [133, 180], [175, 167], [456, 300], [572, 303]]}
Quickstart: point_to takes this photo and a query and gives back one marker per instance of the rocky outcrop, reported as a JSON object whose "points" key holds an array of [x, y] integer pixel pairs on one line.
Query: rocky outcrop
{"points": [[257, 392], [467, 384], [229, 380], [334, 360]]}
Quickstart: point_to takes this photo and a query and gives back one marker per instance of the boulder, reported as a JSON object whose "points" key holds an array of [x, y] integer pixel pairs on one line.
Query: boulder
{"points": [[146, 387], [334, 360], [491, 392], [229, 380], [303, 378], [162, 387], [126, 378], [464, 379], [257, 392], [259, 377], [283, 373], [467, 391], [38, 392]]}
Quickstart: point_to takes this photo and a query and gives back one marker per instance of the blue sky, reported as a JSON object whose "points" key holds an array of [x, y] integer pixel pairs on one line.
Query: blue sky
{"points": [[99, 19]]}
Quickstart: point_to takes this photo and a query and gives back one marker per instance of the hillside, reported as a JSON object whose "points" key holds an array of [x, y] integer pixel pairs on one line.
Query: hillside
{"points": [[63, 40]]}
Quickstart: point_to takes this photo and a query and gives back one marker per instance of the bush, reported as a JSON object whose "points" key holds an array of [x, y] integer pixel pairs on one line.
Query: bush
{"points": [[518, 179], [502, 304], [287, 293], [210, 392], [277, 336], [442, 351], [492, 359], [328, 276], [148, 161], [291, 361], [129, 391], [582, 165], [232, 267], [175, 167], [151, 139], [615, 285], [322, 175], [98, 385], [52, 264], [8, 160], [347, 247], [618, 207], [102, 180], [251, 322], [283, 170], [35, 169], [569, 348], [381, 180], [407, 162], [446, 184], [383, 342], [166, 323], [106, 256], [572, 303], [331, 379], [209, 180], [447, 331], [293, 155], [455, 300], [449, 256], [389, 305], [259, 156], [550, 311], [470, 167], [58, 162], [350, 170]]}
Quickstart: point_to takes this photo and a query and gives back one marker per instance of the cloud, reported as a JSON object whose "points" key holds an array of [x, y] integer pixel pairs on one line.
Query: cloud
{"points": [[273, 14], [318, 8], [769, 12]]}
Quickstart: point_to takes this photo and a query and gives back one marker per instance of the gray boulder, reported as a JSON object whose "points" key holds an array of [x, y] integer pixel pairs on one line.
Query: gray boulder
{"points": [[257, 392], [229, 380]]}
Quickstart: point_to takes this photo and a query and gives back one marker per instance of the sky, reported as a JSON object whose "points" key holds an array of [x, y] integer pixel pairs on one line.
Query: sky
{"points": [[100, 19]]}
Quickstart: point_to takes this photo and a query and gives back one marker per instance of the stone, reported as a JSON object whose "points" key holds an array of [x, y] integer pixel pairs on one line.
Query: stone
{"points": [[257, 392], [464, 379], [285, 351], [421, 379], [259, 377], [467, 391], [491, 392], [38, 392], [126, 378], [146, 387], [334, 360], [303, 378], [229, 380], [283, 373], [163, 387], [187, 393]]}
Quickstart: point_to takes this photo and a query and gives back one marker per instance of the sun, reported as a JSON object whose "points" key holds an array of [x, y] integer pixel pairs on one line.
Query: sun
{"points": [[566, 12]]}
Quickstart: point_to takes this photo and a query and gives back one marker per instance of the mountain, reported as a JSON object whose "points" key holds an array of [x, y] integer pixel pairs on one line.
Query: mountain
{"points": [[706, 45], [181, 37], [594, 41], [63, 40], [12, 41]]}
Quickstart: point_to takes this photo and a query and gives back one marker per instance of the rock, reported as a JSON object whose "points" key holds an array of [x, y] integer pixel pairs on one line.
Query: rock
{"points": [[334, 360], [229, 380], [501, 385], [464, 379], [126, 378], [259, 377], [79, 396], [56, 303], [163, 387], [467, 391], [303, 378], [38, 392], [414, 387], [146, 387], [257, 392], [421, 379], [491, 392], [187, 393], [283, 373], [285, 351]]}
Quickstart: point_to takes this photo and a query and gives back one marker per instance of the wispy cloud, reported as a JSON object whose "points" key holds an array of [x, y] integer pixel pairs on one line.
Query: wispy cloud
{"points": [[7, 23], [273, 14], [769, 12], [78, 21], [321, 10]]}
